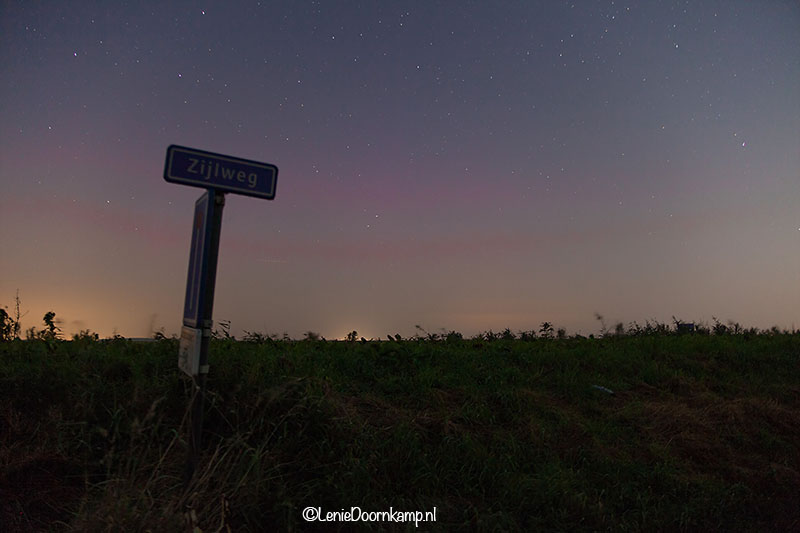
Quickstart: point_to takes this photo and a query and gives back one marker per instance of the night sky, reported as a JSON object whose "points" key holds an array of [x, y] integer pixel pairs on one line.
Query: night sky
{"points": [[457, 165]]}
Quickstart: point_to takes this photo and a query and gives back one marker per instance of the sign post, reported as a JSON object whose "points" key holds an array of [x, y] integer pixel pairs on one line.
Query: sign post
{"points": [[218, 174]]}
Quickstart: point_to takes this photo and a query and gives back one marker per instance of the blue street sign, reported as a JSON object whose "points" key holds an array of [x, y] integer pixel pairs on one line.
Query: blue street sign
{"points": [[230, 174], [198, 261]]}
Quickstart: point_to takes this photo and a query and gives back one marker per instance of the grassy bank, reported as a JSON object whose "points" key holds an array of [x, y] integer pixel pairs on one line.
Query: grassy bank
{"points": [[701, 432]]}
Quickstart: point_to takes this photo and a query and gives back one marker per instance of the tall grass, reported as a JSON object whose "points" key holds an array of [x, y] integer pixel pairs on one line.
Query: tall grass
{"points": [[496, 432]]}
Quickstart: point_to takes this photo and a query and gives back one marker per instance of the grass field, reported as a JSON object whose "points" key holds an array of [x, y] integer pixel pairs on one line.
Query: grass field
{"points": [[701, 432]]}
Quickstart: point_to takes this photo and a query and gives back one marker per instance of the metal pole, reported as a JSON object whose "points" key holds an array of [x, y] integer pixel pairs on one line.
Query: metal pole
{"points": [[199, 381]]}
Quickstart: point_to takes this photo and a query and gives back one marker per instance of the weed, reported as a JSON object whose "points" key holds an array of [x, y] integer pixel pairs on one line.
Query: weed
{"points": [[509, 432]]}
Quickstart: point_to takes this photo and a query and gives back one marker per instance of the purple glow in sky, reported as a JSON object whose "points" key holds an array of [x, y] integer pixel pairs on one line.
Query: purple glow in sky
{"points": [[456, 165]]}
